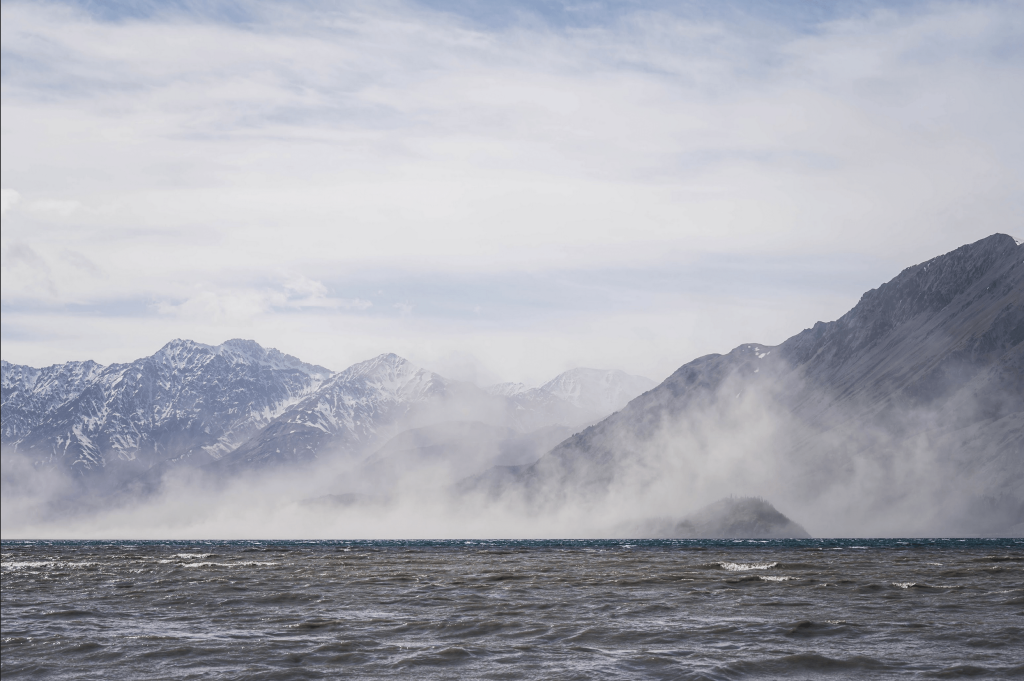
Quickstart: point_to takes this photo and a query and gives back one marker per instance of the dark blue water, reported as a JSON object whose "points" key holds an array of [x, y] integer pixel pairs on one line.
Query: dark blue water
{"points": [[686, 609]]}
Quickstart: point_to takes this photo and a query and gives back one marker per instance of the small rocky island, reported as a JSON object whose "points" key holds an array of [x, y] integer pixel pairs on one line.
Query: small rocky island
{"points": [[730, 518]]}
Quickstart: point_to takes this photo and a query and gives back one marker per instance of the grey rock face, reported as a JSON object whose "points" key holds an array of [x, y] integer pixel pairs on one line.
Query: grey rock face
{"points": [[187, 401], [929, 365]]}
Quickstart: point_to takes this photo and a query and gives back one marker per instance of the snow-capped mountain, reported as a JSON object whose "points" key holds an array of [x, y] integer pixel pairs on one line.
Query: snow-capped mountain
{"points": [[358, 407], [241, 405], [187, 401]]}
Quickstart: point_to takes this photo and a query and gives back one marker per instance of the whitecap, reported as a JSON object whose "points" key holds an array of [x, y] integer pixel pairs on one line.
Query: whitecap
{"points": [[747, 566], [28, 564], [24, 564]]}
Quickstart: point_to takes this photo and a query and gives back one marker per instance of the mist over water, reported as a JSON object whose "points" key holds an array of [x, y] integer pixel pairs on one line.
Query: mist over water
{"points": [[743, 441]]}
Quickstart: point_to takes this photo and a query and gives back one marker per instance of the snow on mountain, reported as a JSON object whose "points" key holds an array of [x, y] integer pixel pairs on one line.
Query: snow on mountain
{"points": [[360, 406], [187, 400]]}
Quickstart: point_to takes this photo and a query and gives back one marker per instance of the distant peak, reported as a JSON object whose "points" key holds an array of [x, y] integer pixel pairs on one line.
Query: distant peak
{"points": [[506, 389], [242, 344], [179, 344], [388, 361]]}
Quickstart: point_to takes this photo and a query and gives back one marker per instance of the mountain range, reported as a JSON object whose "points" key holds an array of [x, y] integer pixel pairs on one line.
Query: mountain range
{"points": [[238, 406]]}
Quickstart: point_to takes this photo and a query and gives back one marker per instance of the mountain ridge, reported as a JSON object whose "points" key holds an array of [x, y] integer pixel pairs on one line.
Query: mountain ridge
{"points": [[930, 362]]}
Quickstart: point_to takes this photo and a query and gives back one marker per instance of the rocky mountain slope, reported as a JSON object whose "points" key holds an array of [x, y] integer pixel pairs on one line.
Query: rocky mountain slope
{"points": [[910, 405]]}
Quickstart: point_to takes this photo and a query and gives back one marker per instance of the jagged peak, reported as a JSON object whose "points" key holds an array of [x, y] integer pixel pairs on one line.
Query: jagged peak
{"points": [[178, 345], [241, 350], [70, 366]]}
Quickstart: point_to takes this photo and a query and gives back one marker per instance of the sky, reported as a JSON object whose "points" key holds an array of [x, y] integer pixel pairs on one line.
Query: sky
{"points": [[495, 191]]}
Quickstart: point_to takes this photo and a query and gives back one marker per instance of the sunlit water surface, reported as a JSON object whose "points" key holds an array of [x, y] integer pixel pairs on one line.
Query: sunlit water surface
{"points": [[513, 609]]}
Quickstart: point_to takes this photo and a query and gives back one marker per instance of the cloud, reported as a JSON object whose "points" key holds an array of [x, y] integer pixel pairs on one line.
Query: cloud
{"points": [[303, 292], [24, 270], [219, 307], [8, 199], [369, 142], [58, 208], [243, 304]]}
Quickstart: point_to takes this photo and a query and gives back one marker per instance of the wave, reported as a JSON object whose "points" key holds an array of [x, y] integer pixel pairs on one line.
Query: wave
{"points": [[737, 567]]}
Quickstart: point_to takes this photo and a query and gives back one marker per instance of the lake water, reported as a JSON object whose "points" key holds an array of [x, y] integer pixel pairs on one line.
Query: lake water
{"points": [[686, 609]]}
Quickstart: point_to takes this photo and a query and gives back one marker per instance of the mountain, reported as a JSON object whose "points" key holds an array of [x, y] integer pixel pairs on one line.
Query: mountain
{"points": [[357, 408], [188, 401], [907, 410], [577, 396]]}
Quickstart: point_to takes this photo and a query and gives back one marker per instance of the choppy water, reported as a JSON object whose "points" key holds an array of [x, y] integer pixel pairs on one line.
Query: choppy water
{"points": [[513, 609]]}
